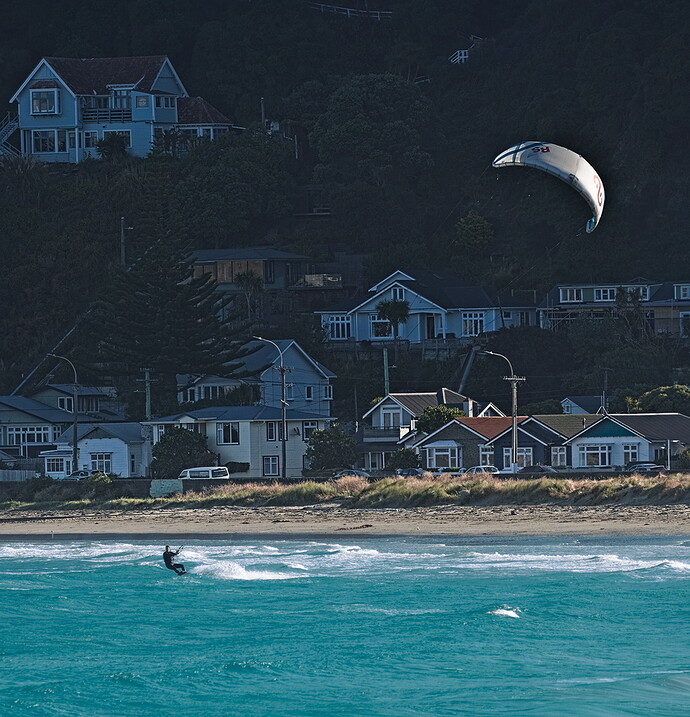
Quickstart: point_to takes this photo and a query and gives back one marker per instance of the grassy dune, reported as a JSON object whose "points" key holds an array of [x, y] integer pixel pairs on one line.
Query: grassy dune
{"points": [[392, 492]]}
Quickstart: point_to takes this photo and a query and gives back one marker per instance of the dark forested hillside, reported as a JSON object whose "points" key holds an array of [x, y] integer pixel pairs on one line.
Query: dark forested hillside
{"points": [[401, 140]]}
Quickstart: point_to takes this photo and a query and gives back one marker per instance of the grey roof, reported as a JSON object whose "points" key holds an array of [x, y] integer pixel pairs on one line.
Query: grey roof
{"points": [[416, 403], [590, 404], [128, 432], [246, 253], [240, 413], [68, 388], [36, 409], [567, 424], [657, 426]]}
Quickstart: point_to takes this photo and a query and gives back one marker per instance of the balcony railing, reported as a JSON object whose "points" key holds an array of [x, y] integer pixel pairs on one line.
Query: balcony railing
{"points": [[387, 435], [106, 115]]}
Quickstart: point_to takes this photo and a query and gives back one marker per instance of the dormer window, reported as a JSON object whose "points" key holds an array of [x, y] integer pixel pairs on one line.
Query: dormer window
{"points": [[683, 292], [165, 102], [571, 295], [44, 102], [398, 293], [604, 294]]}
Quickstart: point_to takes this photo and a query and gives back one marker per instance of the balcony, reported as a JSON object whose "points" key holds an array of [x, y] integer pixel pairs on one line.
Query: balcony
{"points": [[375, 434], [106, 116]]}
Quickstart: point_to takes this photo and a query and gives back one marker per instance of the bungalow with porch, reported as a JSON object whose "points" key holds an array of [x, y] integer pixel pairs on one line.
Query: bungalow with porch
{"points": [[440, 307]]}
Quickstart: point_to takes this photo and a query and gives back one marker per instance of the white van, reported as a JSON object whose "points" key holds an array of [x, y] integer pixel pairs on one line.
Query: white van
{"points": [[205, 472]]}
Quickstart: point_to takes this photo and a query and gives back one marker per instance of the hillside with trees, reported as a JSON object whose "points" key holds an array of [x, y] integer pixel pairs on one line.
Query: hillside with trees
{"points": [[400, 139]]}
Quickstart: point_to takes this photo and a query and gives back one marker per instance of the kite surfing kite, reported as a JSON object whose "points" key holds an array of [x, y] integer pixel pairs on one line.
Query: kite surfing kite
{"points": [[562, 163]]}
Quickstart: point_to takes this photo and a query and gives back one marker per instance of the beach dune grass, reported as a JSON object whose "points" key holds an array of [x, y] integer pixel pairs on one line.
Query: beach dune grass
{"points": [[391, 492]]}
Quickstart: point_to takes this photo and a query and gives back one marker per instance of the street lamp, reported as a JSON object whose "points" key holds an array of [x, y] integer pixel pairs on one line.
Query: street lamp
{"points": [[514, 380], [283, 405], [75, 465]]}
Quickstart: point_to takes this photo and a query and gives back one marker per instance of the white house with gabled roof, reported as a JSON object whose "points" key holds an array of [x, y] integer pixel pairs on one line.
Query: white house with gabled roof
{"points": [[440, 306]]}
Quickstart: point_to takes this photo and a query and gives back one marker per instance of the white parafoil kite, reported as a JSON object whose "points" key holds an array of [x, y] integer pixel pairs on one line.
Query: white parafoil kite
{"points": [[564, 164]]}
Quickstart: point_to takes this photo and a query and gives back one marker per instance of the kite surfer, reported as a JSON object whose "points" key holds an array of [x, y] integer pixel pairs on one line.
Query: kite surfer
{"points": [[168, 556]]}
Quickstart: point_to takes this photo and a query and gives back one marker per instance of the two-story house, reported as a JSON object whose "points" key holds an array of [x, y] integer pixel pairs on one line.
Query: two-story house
{"points": [[308, 384], [28, 426], [391, 422], [440, 307], [67, 105], [664, 305], [250, 435]]}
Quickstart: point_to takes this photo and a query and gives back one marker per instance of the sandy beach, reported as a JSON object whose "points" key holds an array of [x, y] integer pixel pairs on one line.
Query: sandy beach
{"points": [[334, 520]]}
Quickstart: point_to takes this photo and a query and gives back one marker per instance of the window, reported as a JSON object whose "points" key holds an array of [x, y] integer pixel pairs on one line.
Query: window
{"points": [[121, 100], [44, 102], [308, 393], [391, 418], [559, 456], [272, 430], [101, 462], [630, 453], [339, 327], [271, 466], [684, 323], [508, 315], [570, 295], [122, 132], [19, 435], [684, 292], [594, 456], [90, 140], [95, 103], [639, 292], [228, 433], [379, 328], [66, 403], [132, 464], [486, 455], [289, 391], [604, 294], [142, 101], [328, 392], [160, 431], [269, 272], [43, 140], [165, 102], [55, 465], [567, 407], [308, 428], [524, 456], [398, 293], [472, 323], [450, 457]]}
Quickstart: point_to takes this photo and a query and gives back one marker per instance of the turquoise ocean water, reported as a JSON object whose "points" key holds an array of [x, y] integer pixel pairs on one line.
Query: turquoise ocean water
{"points": [[390, 627]]}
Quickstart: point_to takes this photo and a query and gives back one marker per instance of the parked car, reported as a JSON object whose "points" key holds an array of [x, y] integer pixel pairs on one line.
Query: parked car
{"points": [[537, 469], [645, 468], [409, 472], [481, 469], [202, 472], [352, 472], [447, 470], [77, 475]]}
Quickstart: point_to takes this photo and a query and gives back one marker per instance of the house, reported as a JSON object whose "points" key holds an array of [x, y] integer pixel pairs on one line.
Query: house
{"points": [[561, 427], [391, 422], [120, 448], [67, 105], [616, 440], [582, 404], [28, 426], [440, 307], [307, 384], [249, 435], [664, 306], [97, 402], [466, 441]]}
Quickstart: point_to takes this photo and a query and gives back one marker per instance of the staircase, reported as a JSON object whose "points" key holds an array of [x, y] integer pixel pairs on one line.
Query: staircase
{"points": [[8, 126]]}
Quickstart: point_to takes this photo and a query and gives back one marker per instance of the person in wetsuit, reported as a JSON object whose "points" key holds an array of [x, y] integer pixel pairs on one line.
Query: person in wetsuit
{"points": [[168, 556]]}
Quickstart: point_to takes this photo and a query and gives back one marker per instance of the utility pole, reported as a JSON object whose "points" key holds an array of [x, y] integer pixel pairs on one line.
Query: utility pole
{"points": [[147, 380], [75, 394], [283, 406], [386, 373], [514, 380]]}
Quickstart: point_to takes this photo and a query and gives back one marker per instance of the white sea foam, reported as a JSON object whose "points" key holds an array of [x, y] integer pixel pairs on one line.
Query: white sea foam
{"points": [[505, 612], [229, 570]]}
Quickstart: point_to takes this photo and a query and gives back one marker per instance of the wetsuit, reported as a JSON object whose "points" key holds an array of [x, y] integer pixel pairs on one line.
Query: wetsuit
{"points": [[168, 556]]}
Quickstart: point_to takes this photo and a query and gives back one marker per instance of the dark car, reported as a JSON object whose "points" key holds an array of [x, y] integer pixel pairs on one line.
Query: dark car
{"points": [[77, 475], [409, 472], [351, 472], [538, 469], [645, 468]]}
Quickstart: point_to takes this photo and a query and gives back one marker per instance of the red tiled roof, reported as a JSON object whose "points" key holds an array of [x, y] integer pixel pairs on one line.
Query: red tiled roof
{"points": [[196, 111], [86, 76], [489, 426]]}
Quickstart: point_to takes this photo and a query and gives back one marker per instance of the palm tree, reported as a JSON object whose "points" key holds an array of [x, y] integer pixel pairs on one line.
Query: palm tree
{"points": [[396, 313]]}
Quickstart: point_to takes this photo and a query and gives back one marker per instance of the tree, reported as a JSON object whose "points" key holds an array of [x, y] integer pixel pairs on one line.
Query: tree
{"points": [[158, 316], [665, 399], [178, 449], [113, 147], [331, 448], [403, 458], [474, 234], [250, 284], [434, 417]]}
